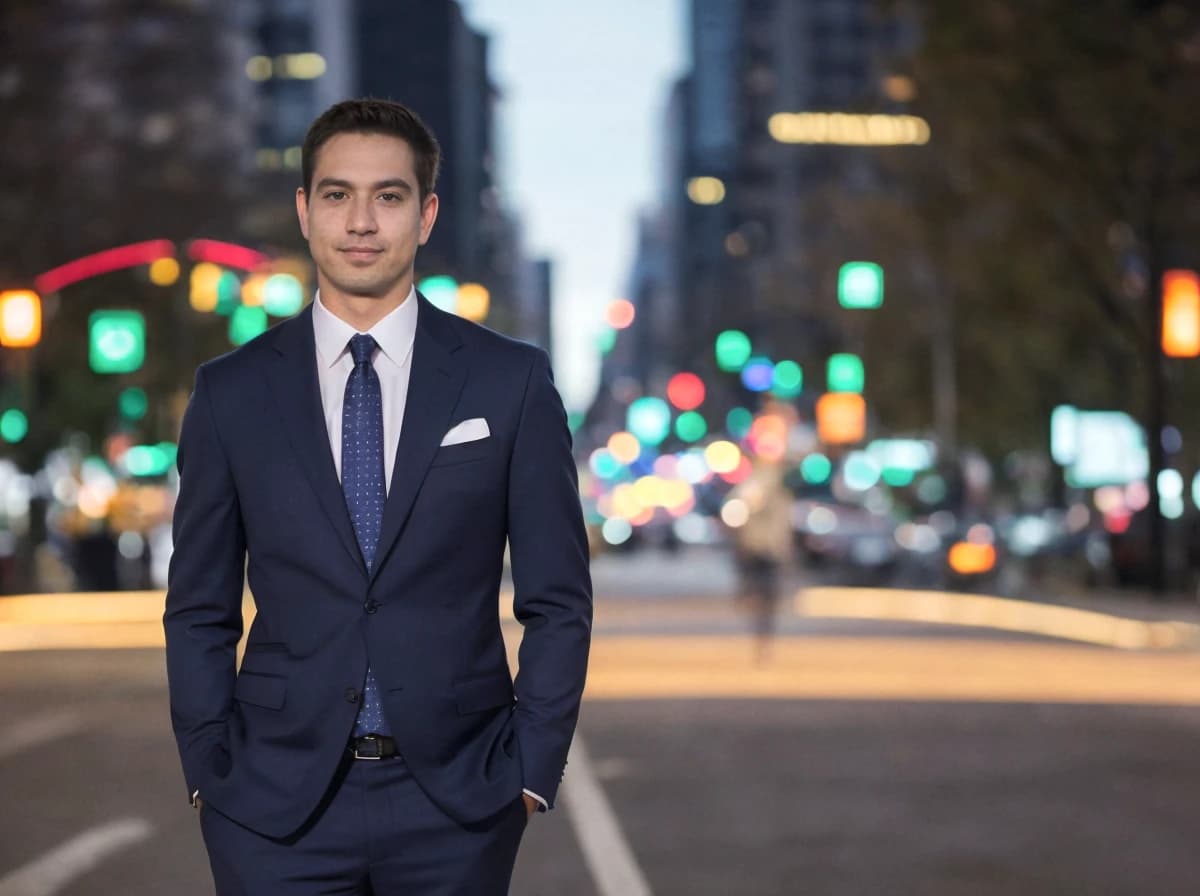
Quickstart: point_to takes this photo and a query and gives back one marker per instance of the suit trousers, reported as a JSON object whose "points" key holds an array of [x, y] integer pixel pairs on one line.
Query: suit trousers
{"points": [[375, 833]]}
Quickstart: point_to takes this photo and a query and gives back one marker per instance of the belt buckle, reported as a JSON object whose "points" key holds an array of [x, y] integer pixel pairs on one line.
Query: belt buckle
{"points": [[378, 747]]}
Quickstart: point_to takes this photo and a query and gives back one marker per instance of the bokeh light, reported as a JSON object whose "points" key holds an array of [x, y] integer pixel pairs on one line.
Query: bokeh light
{"points": [[732, 350], [649, 419], [624, 446], [788, 380], [758, 374], [691, 426], [722, 457], [620, 314], [686, 391]]}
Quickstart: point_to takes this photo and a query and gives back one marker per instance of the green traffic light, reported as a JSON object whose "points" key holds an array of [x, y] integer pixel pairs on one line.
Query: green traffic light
{"points": [[732, 350], [117, 341], [845, 373], [787, 380], [133, 403], [229, 293], [14, 425], [860, 285], [245, 323]]}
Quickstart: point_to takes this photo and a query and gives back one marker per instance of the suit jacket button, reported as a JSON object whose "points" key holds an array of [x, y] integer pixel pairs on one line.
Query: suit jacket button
{"points": [[351, 695], [371, 605]]}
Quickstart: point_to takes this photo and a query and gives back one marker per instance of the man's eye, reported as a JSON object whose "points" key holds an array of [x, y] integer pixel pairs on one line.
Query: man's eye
{"points": [[335, 195], [390, 197]]}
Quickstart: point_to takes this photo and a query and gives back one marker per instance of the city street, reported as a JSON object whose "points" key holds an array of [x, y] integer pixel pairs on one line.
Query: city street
{"points": [[864, 757]]}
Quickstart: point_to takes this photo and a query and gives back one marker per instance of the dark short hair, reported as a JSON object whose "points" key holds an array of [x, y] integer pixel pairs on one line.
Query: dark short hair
{"points": [[374, 116]]}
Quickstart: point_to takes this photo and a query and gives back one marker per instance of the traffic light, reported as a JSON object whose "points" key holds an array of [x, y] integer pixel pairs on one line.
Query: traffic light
{"points": [[229, 293], [841, 418], [133, 403], [860, 285], [246, 323], [205, 283], [117, 341], [844, 373], [20, 318], [788, 380], [14, 425], [1181, 314], [732, 350]]}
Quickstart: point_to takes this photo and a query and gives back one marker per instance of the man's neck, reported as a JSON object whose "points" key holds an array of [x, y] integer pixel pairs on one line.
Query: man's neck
{"points": [[362, 312]]}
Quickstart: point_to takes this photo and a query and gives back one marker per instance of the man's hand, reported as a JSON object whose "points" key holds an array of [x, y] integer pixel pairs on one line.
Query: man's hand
{"points": [[531, 805]]}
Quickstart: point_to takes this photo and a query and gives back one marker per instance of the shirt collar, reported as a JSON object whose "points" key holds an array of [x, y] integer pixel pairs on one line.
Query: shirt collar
{"points": [[395, 333]]}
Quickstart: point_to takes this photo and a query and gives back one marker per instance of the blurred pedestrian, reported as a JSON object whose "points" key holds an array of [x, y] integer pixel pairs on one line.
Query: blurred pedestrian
{"points": [[763, 545], [372, 456]]}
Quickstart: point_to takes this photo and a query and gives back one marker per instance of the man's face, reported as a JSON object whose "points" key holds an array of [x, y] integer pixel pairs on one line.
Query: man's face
{"points": [[364, 219]]}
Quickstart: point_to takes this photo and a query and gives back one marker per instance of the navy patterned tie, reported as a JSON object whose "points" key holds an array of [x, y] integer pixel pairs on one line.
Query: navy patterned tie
{"points": [[365, 487]]}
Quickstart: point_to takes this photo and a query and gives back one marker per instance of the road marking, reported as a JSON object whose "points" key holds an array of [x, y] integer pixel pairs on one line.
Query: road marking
{"points": [[605, 849], [886, 668], [53, 871], [1005, 614], [37, 730]]}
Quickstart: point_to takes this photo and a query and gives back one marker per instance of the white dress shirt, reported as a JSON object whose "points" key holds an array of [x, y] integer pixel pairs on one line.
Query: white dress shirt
{"points": [[395, 335]]}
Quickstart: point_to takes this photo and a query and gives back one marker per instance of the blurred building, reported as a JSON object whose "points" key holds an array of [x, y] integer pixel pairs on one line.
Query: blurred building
{"points": [[312, 53], [304, 63], [442, 72], [747, 232]]}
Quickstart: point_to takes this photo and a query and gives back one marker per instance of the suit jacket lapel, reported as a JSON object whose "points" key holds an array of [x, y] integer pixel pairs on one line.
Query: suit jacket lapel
{"points": [[293, 380], [435, 383]]}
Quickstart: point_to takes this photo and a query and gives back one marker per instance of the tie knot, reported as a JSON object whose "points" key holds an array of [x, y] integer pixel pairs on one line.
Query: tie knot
{"points": [[362, 346]]}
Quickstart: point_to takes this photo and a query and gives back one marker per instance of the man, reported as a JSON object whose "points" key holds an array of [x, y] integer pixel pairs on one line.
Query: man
{"points": [[365, 464]]}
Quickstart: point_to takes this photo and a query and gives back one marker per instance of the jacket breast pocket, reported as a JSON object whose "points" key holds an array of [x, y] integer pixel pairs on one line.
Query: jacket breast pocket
{"points": [[463, 453], [478, 694], [267, 691]]}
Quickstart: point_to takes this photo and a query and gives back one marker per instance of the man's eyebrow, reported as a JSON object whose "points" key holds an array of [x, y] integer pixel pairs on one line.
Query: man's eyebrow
{"points": [[393, 182]]}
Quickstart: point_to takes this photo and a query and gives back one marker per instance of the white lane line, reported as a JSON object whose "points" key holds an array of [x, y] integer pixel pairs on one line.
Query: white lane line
{"points": [[605, 849], [59, 867], [37, 730]]}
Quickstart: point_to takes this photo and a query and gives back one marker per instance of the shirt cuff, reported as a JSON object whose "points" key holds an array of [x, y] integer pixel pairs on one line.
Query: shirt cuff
{"points": [[545, 805], [195, 796]]}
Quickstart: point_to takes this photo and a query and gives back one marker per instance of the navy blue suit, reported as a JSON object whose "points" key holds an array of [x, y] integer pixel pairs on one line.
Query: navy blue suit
{"points": [[262, 744]]}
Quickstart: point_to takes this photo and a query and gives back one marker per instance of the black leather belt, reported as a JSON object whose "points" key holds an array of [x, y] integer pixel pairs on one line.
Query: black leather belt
{"points": [[373, 746]]}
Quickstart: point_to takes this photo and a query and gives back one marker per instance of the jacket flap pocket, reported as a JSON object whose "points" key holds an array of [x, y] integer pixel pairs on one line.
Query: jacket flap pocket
{"points": [[478, 694], [261, 690], [462, 453]]}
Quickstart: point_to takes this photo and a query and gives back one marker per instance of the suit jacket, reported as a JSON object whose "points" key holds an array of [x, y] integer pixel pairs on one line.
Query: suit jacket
{"points": [[259, 496]]}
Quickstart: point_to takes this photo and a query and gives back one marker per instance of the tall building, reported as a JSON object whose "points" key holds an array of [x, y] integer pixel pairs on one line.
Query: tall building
{"points": [[304, 64], [423, 53], [748, 231], [440, 70]]}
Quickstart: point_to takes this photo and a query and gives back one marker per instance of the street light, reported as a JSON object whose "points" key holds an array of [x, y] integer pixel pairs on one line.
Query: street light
{"points": [[20, 318]]}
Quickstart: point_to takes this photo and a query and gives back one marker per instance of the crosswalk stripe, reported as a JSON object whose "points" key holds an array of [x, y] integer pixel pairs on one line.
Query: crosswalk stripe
{"points": [[605, 849], [36, 730], [56, 869]]}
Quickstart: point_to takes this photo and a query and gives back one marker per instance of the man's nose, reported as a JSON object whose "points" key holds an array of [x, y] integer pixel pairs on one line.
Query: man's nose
{"points": [[362, 218]]}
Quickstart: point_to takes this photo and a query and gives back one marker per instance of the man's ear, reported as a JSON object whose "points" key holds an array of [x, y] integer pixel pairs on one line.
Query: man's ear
{"points": [[302, 210], [428, 216]]}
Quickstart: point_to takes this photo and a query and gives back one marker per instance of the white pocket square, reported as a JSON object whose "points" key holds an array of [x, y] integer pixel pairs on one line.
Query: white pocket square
{"points": [[468, 431]]}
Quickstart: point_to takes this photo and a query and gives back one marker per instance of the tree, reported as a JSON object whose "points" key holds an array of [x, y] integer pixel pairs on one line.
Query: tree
{"points": [[124, 121], [1060, 181]]}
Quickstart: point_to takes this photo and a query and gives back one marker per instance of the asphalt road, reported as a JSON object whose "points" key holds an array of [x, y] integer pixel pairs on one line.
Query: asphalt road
{"points": [[712, 795]]}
